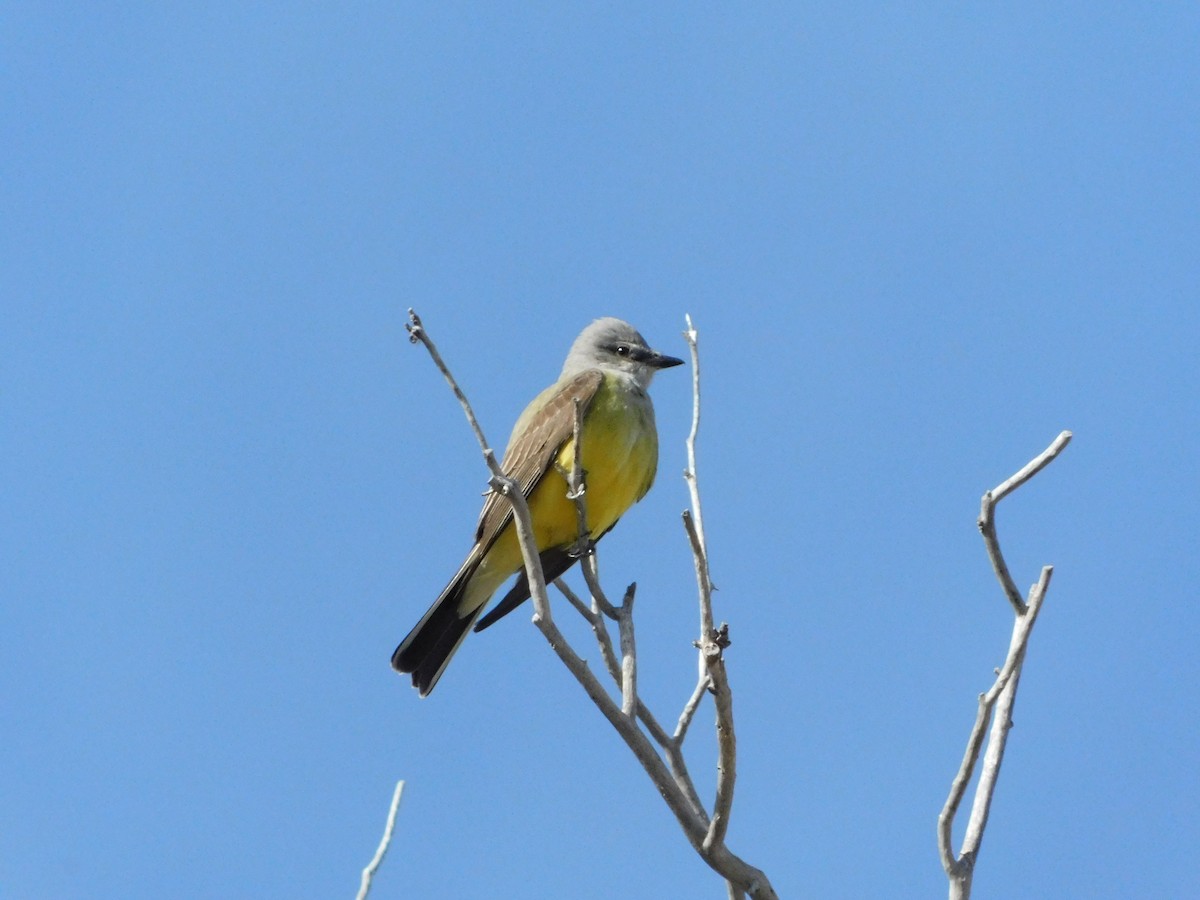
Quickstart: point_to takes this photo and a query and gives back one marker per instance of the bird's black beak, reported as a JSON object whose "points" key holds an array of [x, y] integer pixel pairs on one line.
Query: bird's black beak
{"points": [[660, 361]]}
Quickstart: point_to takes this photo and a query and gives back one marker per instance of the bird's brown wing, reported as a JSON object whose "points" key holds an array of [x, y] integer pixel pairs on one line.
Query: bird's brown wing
{"points": [[529, 454]]}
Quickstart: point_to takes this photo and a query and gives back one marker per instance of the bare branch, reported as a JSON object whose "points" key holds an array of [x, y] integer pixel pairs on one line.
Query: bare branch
{"points": [[987, 520], [1006, 679], [576, 484], [1032, 467], [595, 619], [529, 552], [590, 566], [368, 874], [693, 340], [959, 787], [689, 708], [692, 824], [696, 531], [417, 333], [629, 698], [585, 548], [499, 481], [700, 563], [671, 745], [1003, 695], [627, 678], [624, 675], [996, 704], [712, 649], [712, 642], [573, 599]]}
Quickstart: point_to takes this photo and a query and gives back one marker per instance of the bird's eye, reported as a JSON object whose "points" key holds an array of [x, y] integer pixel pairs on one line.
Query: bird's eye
{"points": [[622, 349]]}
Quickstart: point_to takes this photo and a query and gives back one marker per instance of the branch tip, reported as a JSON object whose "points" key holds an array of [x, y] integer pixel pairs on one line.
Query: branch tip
{"points": [[368, 874]]}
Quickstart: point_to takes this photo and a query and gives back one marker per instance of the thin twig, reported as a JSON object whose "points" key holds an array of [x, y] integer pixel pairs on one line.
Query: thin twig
{"points": [[529, 553], [1032, 467], [627, 681], [987, 516], [726, 742], [577, 489], [624, 675], [703, 683], [700, 563], [629, 697], [417, 333], [499, 482], [693, 826], [699, 545], [717, 856], [712, 645], [626, 678], [368, 874], [693, 341], [585, 548], [595, 619], [1002, 696], [712, 642], [670, 744], [573, 599], [590, 565]]}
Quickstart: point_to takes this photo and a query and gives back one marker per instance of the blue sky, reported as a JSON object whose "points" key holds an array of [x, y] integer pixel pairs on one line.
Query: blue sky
{"points": [[918, 242]]}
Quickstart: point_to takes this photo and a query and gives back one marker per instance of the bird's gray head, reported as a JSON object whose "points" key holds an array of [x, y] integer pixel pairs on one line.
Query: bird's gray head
{"points": [[615, 345]]}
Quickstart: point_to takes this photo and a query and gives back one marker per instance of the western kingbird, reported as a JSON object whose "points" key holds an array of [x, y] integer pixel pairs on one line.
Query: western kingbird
{"points": [[608, 371]]}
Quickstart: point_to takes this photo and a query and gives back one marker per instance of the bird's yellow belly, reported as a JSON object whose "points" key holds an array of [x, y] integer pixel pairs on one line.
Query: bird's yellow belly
{"points": [[620, 458]]}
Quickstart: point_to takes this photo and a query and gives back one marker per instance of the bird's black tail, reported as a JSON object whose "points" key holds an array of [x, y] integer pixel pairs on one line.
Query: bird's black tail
{"points": [[555, 562], [427, 650]]}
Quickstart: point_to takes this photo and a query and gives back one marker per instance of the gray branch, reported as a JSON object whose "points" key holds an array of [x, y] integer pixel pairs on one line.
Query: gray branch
{"points": [[987, 519], [672, 745], [995, 704], [368, 873], [689, 708], [417, 334], [713, 641], [699, 545]]}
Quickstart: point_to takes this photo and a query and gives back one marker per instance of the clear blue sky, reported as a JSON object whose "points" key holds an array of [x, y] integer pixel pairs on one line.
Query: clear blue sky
{"points": [[917, 242]]}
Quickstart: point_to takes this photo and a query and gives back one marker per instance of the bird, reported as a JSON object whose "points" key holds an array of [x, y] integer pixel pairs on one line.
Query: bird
{"points": [[608, 371]]}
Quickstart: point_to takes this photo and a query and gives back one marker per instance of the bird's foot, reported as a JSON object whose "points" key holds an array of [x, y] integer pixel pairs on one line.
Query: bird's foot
{"points": [[585, 546]]}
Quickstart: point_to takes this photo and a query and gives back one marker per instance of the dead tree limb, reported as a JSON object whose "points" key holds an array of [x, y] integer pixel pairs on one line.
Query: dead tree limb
{"points": [[996, 703]]}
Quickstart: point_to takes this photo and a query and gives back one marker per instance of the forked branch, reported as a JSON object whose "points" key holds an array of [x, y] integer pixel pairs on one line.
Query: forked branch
{"points": [[995, 704]]}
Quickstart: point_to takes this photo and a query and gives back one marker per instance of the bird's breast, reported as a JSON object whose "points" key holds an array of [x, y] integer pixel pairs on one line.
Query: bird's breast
{"points": [[620, 452]]}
